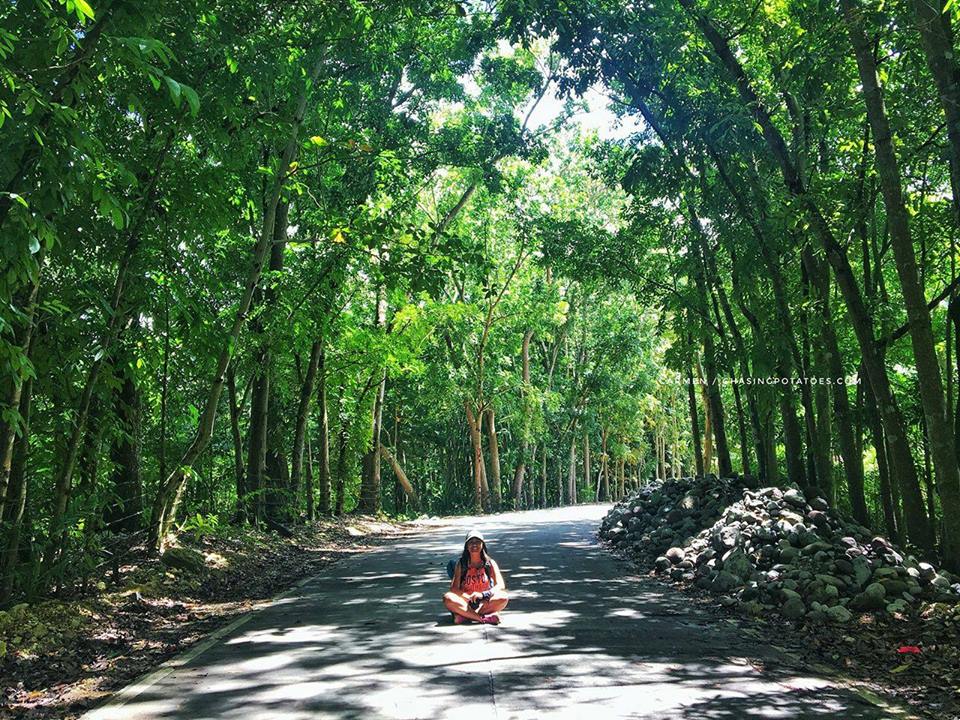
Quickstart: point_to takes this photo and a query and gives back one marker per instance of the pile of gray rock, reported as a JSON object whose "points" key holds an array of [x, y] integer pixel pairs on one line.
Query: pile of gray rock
{"points": [[769, 549]]}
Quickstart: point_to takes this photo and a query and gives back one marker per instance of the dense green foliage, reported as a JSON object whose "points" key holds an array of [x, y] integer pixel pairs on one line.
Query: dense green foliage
{"points": [[255, 255]]}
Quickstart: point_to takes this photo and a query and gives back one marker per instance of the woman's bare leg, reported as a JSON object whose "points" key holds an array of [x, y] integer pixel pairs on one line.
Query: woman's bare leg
{"points": [[495, 604], [457, 604]]}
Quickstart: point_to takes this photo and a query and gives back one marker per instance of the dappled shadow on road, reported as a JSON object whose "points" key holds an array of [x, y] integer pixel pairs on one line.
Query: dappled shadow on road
{"points": [[370, 639]]}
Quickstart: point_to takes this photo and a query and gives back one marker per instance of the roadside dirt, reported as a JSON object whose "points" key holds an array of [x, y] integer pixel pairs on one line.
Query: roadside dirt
{"points": [[60, 657]]}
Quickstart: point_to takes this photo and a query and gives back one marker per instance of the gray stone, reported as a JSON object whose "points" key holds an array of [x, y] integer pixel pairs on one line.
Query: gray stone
{"points": [[788, 594], [839, 614], [184, 559], [795, 498], [789, 554], [897, 606], [793, 609], [737, 563], [674, 555], [941, 582], [873, 597], [844, 566], [724, 581], [861, 570]]}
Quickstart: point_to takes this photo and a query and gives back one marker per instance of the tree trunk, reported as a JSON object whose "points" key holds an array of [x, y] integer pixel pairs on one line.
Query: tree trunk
{"points": [[370, 482], [473, 424], [323, 506], [126, 511], [341, 467], [742, 427], [170, 490], [900, 457], [930, 383], [253, 500], [310, 490], [587, 469], [303, 416], [401, 476], [8, 431], [494, 458], [792, 443], [932, 21], [237, 442], [16, 498], [604, 465], [822, 442], [543, 477], [694, 424], [572, 471], [707, 425]]}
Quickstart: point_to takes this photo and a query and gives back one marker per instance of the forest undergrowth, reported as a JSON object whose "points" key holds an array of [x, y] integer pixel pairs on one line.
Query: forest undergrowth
{"points": [[61, 656]]}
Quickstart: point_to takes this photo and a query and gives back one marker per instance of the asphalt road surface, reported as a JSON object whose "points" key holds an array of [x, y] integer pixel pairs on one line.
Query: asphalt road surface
{"points": [[369, 638]]}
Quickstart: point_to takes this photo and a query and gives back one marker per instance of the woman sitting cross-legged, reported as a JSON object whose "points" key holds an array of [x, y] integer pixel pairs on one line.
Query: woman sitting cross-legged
{"points": [[477, 591]]}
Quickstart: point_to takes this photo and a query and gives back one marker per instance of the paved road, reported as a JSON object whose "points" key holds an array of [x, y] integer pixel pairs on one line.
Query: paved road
{"points": [[369, 639]]}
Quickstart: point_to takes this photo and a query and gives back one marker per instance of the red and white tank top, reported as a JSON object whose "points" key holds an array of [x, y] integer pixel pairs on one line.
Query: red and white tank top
{"points": [[476, 580]]}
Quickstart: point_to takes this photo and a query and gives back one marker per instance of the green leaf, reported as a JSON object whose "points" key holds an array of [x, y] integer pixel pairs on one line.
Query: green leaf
{"points": [[83, 9], [193, 100], [175, 90]]}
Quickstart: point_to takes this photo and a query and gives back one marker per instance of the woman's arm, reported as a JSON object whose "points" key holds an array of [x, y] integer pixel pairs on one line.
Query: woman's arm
{"points": [[455, 582]]}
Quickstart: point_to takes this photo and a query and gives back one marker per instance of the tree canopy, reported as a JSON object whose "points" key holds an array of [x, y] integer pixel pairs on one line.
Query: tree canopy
{"points": [[268, 261]]}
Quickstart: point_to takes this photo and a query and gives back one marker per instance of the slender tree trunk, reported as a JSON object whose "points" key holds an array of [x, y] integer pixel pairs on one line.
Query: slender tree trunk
{"points": [[694, 424], [494, 458], [237, 443], [572, 471], [900, 456], [930, 383], [587, 470], [303, 416], [833, 367], [707, 425], [473, 424], [168, 494], [370, 483], [932, 21], [883, 469], [341, 472], [792, 443], [324, 500], [16, 498], [521, 464], [401, 476], [126, 511], [742, 427], [543, 478], [8, 434], [953, 313], [310, 491], [257, 445], [605, 465]]}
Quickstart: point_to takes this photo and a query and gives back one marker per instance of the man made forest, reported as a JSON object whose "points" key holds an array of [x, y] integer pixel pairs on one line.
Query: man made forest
{"points": [[264, 262], [268, 262]]}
